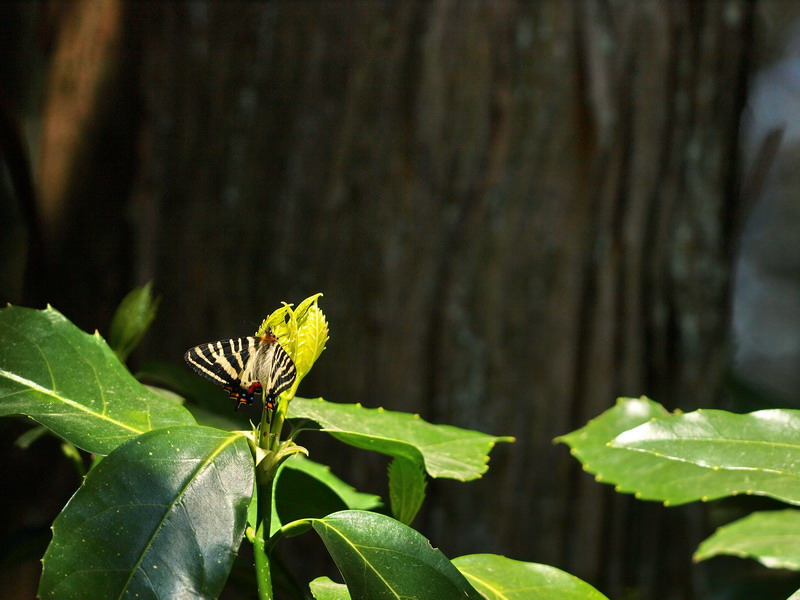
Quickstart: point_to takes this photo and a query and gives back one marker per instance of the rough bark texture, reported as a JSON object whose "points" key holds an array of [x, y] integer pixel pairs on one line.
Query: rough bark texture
{"points": [[517, 211]]}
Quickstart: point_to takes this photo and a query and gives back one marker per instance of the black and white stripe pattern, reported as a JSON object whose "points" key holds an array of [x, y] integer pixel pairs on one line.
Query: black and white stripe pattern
{"points": [[245, 367]]}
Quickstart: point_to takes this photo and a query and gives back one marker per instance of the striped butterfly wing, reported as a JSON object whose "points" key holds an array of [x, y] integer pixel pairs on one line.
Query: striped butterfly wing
{"points": [[274, 369], [245, 367]]}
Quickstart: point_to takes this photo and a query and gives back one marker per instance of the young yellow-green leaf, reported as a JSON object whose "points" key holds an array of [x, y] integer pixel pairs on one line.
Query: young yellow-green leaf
{"points": [[795, 596], [132, 319], [283, 325], [770, 537], [73, 384], [161, 517], [406, 489], [312, 333], [301, 332], [323, 588], [381, 558], [446, 451], [658, 476], [500, 578]]}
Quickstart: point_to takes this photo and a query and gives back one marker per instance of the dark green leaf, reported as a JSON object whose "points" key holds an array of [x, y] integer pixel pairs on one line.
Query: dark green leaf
{"points": [[299, 495], [382, 558], [161, 517], [73, 384], [305, 489], [771, 537], [187, 384], [406, 489], [132, 320], [500, 578], [446, 451]]}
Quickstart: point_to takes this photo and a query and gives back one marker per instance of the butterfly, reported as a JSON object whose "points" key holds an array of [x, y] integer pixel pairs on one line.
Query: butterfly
{"points": [[245, 367]]}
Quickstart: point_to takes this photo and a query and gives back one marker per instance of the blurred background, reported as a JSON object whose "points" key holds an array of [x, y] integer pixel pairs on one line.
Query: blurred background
{"points": [[517, 211]]}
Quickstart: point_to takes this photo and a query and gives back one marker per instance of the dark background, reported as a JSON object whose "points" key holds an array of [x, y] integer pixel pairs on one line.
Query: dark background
{"points": [[517, 211]]}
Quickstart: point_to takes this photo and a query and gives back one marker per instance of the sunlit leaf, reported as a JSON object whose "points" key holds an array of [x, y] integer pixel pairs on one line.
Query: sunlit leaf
{"points": [[381, 558], [161, 517], [323, 588], [73, 384], [640, 448], [312, 333], [446, 451], [500, 578], [770, 537]]}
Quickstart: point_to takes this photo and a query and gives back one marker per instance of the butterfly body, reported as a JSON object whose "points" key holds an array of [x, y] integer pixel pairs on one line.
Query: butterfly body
{"points": [[245, 367]]}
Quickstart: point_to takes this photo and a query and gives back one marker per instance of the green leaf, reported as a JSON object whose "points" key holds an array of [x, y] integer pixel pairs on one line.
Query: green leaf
{"points": [[770, 537], [382, 558], [351, 497], [446, 451], [73, 384], [795, 596], [161, 517], [212, 406], [188, 385], [312, 333], [500, 578], [72, 454], [301, 332], [406, 489], [323, 588], [132, 319], [306, 489], [755, 453], [656, 476], [25, 440]]}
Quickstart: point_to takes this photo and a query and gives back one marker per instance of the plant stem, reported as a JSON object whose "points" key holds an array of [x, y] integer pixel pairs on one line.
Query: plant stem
{"points": [[265, 473], [263, 573], [263, 516]]}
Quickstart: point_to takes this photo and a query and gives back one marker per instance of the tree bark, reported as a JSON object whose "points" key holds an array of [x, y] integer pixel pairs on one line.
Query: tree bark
{"points": [[517, 212]]}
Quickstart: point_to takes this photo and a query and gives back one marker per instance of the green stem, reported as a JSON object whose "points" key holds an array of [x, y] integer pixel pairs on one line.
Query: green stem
{"points": [[260, 551], [275, 453], [263, 573], [265, 473]]}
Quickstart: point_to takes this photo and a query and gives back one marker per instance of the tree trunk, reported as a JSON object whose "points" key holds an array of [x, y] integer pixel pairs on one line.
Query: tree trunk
{"points": [[517, 212]]}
